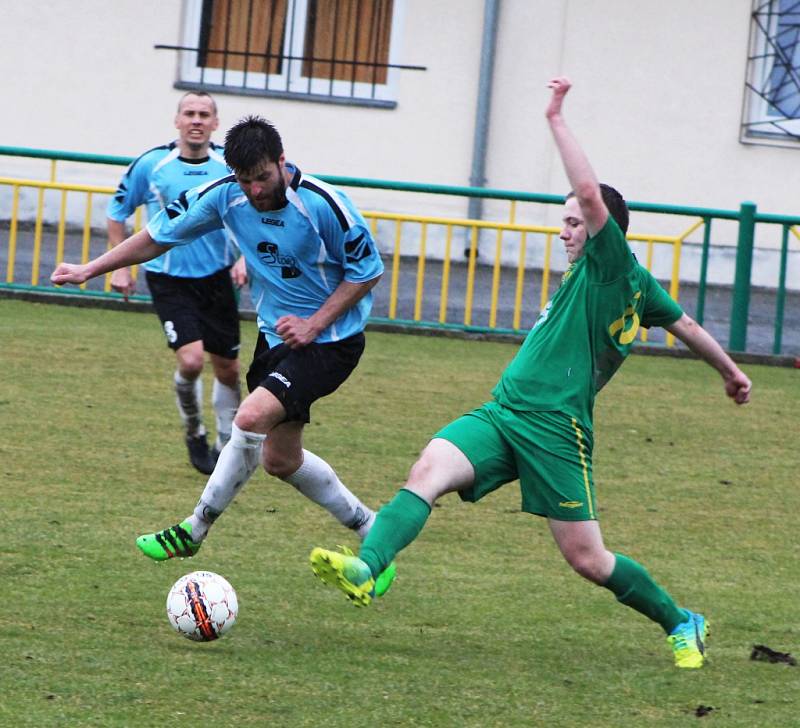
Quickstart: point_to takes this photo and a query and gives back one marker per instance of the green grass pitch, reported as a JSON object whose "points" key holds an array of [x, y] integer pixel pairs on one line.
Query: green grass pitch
{"points": [[485, 626]]}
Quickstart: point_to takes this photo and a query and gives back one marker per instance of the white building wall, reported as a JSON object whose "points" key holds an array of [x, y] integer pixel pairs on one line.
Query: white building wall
{"points": [[657, 99]]}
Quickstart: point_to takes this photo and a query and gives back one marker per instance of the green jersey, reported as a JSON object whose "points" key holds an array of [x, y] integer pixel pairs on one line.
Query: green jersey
{"points": [[586, 330]]}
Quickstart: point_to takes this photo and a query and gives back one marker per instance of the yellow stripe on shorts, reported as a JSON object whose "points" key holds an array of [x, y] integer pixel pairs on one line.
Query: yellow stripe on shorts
{"points": [[582, 453]]}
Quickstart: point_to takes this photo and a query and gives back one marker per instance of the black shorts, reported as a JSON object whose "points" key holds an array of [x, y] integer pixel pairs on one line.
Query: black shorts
{"points": [[198, 309], [299, 377]]}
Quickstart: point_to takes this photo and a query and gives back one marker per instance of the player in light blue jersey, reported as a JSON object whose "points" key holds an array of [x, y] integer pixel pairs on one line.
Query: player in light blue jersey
{"points": [[312, 264], [191, 286]]}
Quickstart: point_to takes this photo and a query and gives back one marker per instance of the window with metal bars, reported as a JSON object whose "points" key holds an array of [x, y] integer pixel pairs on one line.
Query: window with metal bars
{"points": [[329, 50], [772, 89]]}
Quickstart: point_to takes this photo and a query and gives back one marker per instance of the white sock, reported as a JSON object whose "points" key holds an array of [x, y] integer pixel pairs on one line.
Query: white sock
{"points": [[189, 398], [237, 462], [316, 480], [226, 401]]}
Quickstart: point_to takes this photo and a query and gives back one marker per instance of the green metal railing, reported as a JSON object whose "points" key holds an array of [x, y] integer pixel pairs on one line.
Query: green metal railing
{"points": [[747, 218]]}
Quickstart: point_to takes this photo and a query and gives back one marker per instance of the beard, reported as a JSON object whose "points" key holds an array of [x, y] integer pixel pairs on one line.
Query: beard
{"points": [[279, 200], [275, 201]]}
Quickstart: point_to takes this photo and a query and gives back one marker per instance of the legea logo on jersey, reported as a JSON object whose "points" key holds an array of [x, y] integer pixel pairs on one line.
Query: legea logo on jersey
{"points": [[271, 256], [195, 172], [272, 221]]}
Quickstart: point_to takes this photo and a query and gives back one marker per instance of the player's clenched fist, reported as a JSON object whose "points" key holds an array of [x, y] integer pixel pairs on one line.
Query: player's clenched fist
{"points": [[69, 273], [560, 86], [738, 387], [296, 332], [122, 282]]}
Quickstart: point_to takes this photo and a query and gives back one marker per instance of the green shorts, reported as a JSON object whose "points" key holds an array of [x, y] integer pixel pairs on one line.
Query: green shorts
{"points": [[549, 452]]}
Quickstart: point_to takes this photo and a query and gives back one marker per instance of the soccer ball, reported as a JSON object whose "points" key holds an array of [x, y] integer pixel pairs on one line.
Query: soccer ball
{"points": [[202, 606]]}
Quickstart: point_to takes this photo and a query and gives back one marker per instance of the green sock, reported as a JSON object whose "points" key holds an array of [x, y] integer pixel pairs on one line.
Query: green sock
{"points": [[633, 586], [397, 524]]}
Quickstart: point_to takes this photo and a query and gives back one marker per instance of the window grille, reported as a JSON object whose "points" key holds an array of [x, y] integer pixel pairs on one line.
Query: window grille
{"points": [[329, 50], [772, 89]]}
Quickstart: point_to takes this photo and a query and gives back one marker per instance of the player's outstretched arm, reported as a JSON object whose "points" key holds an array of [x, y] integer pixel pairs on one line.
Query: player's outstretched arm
{"points": [[138, 248], [737, 384], [580, 174]]}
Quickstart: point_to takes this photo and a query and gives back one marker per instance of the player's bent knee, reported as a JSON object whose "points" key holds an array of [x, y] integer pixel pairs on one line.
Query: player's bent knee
{"points": [[421, 472], [426, 481], [231, 378], [190, 366], [227, 372], [589, 565], [442, 468], [247, 419], [280, 467], [190, 371]]}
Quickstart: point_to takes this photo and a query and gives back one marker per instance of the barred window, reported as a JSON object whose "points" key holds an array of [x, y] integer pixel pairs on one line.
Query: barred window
{"points": [[772, 93], [330, 50]]}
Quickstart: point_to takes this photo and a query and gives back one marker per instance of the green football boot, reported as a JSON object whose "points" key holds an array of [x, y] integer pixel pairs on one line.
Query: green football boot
{"points": [[169, 543], [385, 578]]}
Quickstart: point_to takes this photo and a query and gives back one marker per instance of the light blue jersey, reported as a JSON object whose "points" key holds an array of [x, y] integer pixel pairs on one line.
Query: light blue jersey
{"points": [[296, 256], [156, 178]]}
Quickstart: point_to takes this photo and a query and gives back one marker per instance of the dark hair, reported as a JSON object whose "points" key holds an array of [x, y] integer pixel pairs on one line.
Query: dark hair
{"points": [[250, 142], [615, 202]]}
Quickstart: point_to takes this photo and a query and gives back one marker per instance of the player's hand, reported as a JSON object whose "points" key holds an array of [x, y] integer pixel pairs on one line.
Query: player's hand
{"points": [[122, 282], [738, 387], [296, 332], [69, 273], [239, 272], [560, 86]]}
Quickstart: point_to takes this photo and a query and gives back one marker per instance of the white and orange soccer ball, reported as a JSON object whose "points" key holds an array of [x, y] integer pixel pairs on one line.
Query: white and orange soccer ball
{"points": [[202, 606]]}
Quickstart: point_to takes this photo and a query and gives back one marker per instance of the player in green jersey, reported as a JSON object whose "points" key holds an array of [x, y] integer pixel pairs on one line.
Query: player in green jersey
{"points": [[538, 428]]}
